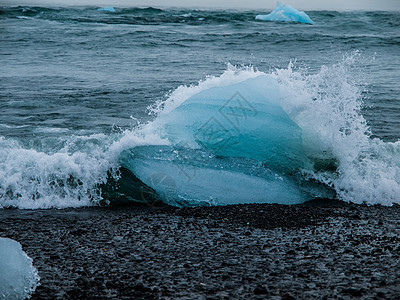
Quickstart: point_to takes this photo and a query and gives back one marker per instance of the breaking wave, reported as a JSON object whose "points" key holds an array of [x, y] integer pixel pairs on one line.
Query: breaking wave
{"points": [[297, 136]]}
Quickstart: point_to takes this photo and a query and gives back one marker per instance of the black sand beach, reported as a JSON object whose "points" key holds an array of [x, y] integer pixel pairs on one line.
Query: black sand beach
{"points": [[320, 250]]}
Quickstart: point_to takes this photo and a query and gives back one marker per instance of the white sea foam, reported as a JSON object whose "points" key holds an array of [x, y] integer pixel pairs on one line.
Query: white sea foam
{"points": [[67, 177], [327, 106]]}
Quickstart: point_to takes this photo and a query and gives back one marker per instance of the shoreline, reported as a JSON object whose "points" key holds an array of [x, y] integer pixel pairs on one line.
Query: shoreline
{"points": [[320, 249]]}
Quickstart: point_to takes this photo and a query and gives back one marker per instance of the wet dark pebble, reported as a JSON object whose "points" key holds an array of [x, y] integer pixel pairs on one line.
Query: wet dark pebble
{"points": [[315, 251]]}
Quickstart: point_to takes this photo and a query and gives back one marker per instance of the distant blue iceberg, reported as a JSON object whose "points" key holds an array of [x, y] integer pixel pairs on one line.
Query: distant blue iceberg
{"points": [[107, 8], [286, 13]]}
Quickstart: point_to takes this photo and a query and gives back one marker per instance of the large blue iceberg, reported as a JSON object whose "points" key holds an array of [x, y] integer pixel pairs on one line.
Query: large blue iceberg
{"points": [[186, 177], [230, 144], [240, 120], [286, 13]]}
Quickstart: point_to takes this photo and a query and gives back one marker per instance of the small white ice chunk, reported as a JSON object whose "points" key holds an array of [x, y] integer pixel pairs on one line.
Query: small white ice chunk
{"points": [[18, 277]]}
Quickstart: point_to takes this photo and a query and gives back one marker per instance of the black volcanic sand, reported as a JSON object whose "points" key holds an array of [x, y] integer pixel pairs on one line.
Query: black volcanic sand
{"points": [[321, 250]]}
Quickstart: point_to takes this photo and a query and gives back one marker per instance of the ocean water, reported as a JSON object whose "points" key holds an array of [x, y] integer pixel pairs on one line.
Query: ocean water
{"points": [[197, 107]]}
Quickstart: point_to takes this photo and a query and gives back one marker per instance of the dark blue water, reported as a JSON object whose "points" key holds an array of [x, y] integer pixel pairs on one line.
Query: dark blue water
{"points": [[76, 82]]}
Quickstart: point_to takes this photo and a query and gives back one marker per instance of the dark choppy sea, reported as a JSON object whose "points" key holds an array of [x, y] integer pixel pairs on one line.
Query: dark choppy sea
{"points": [[81, 88]]}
